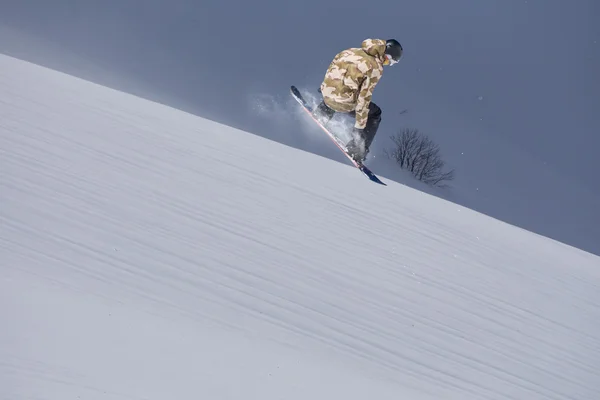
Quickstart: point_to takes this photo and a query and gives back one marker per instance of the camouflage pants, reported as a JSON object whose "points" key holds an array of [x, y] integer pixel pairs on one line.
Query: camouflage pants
{"points": [[325, 113]]}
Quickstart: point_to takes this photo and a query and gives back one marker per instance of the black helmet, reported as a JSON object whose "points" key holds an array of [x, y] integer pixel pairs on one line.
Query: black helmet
{"points": [[394, 49]]}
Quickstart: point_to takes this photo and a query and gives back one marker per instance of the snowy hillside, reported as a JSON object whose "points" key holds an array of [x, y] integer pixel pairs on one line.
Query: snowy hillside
{"points": [[150, 254], [518, 124]]}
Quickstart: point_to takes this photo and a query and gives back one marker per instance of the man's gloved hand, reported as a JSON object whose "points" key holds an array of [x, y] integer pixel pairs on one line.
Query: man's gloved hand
{"points": [[356, 132]]}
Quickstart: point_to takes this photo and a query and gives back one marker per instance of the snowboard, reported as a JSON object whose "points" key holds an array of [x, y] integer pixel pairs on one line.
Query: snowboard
{"points": [[363, 168]]}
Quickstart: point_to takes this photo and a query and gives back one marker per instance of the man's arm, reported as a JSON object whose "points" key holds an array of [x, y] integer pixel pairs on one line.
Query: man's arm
{"points": [[364, 98]]}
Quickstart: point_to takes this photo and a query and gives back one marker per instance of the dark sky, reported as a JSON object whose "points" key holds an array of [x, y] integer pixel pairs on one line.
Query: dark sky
{"points": [[478, 76]]}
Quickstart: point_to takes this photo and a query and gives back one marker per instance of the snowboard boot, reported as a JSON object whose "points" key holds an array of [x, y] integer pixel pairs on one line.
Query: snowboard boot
{"points": [[323, 113], [356, 152]]}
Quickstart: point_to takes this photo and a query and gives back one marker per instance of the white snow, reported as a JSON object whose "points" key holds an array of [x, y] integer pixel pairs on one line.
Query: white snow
{"points": [[150, 254]]}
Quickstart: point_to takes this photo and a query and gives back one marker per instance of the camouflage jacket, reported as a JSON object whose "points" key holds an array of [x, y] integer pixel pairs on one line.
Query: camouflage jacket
{"points": [[351, 77]]}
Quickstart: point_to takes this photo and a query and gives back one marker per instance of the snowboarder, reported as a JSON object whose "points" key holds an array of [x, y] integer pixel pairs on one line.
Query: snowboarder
{"points": [[348, 87]]}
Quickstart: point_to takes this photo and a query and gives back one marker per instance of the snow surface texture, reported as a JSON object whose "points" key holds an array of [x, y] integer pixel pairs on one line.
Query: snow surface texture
{"points": [[150, 254]]}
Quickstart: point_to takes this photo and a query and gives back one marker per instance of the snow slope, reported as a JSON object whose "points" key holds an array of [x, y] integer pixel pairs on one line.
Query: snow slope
{"points": [[518, 125], [150, 254]]}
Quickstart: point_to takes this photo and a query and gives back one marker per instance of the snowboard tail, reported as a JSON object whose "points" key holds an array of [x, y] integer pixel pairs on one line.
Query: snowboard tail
{"points": [[309, 110]]}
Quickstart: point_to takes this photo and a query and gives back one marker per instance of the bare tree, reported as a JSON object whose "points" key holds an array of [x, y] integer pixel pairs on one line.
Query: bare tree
{"points": [[418, 154]]}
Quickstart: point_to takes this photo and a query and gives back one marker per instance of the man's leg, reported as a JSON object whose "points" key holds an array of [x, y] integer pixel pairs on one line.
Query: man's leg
{"points": [[372, 125], [368, 134]]}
